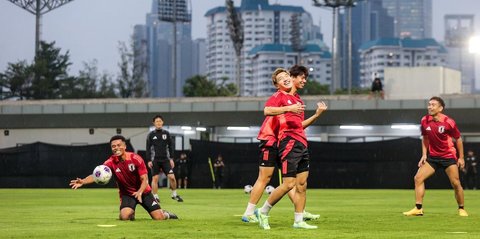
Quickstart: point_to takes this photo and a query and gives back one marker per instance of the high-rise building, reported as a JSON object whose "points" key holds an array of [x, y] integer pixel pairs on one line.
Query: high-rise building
{"points": [[199, 56], [264, 59], [458, 31], [396, 52], [262, 24], [159, 38], [369, 21], [412, 18]]}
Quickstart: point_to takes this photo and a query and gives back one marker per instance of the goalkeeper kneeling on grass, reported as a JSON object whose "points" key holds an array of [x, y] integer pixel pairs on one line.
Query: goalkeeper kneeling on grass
{"points": [[132, 180]]}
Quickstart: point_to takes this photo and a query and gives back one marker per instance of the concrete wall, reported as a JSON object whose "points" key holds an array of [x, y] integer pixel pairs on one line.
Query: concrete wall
{"points": [[421, 82]]}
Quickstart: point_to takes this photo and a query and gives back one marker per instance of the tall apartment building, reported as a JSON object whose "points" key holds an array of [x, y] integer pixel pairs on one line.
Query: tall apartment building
{"points": [[262, 24], [370, 21], [458, 31], [264, 59], [396, 52], [158, 35], [412, 18]]}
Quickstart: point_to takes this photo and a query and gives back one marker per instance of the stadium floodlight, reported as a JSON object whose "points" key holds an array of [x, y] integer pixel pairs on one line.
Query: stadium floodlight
{"points": [[38, 8], [174, 11], [336, 71], [238, 128], [354, 127], [235, 28], [405, 126], [474, 44], [186, 128], [201, 129], [188, 132]]}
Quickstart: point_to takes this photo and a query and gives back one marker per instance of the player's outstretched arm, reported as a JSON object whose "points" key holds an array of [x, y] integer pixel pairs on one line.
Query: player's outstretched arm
{"points": [[76, 183], [321, 106]]}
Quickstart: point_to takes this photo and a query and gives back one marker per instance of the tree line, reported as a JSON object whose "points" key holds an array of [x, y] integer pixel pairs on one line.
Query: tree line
{"points": [[47, 77]]}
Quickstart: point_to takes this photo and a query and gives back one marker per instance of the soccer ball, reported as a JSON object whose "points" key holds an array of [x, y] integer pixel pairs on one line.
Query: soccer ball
{"points": [[269, 189], [247, 188], [102, 174]]}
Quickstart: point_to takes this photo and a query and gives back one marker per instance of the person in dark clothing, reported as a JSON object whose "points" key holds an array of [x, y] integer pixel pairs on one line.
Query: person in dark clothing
{"points": [[377, 89], [470, 171], [219, 167], [159, 153], [182, 170]]}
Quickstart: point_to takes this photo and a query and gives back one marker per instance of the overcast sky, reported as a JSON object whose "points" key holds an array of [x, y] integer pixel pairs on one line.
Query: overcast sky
{"points": [[91, 29]]}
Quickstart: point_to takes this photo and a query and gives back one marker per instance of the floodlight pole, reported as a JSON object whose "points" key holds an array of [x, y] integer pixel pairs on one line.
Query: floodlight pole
{"points": [[335, 5], [173, 17], [38, 8]]}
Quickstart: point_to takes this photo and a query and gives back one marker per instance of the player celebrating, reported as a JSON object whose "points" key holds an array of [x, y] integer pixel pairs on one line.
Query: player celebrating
{"points": [[132, 181], [268, 144], [292, 149], [438, 130]]}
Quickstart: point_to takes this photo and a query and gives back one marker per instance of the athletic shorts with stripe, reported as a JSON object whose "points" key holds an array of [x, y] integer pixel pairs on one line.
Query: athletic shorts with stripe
{"points": [[268, 155], [294, 157], [148, 202]]}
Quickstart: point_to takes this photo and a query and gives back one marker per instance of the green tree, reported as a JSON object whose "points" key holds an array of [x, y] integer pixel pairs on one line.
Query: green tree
{"points": [[131, 80], [17, 79], [229, 89], [199, 86], [313, 87], [88, 84], [50, 69]]}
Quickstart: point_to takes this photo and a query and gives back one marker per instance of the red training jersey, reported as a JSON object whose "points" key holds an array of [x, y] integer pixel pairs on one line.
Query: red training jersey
{"points": [[290, 124], [269, 129], [127, 173], [440, 134]]}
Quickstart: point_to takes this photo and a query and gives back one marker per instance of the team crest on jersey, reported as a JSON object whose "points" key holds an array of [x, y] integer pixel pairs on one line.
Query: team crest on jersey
{"points": [[164, 136], [131, 167], [441, 129]]}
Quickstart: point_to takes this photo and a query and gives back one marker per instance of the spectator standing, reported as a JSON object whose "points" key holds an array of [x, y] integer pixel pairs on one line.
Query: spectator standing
{"points": [[182, 170], [219, 168]]}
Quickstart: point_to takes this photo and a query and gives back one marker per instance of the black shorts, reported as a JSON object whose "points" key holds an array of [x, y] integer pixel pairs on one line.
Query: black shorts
{"points": [[148, 202], [182, 173], [440, 162], [268, 155], [163, 164], [294, 157]]}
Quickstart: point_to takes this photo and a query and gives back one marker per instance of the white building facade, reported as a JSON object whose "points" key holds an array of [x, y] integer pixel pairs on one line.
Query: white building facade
{"points": [[264, 59], [395, 52], [262, 24]]}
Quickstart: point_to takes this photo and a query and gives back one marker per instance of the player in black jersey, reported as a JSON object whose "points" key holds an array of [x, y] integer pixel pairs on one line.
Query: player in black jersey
{"points": [[160, 155]]}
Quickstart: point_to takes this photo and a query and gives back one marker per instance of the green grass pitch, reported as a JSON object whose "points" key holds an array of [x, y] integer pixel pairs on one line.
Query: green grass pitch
{"points": [[209, 213]]}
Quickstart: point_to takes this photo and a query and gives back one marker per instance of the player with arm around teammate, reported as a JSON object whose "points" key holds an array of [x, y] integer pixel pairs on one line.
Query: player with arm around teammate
{"points": [[268, 143], [130, 173]]}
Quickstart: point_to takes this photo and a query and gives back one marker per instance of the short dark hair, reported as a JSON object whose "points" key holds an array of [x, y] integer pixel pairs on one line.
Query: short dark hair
{"points": [[117, 137], [157, 116], [297, 70], [439, 100]]}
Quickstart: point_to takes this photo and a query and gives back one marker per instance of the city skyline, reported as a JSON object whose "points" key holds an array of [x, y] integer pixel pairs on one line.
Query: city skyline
{"points": [[84, 35]]}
